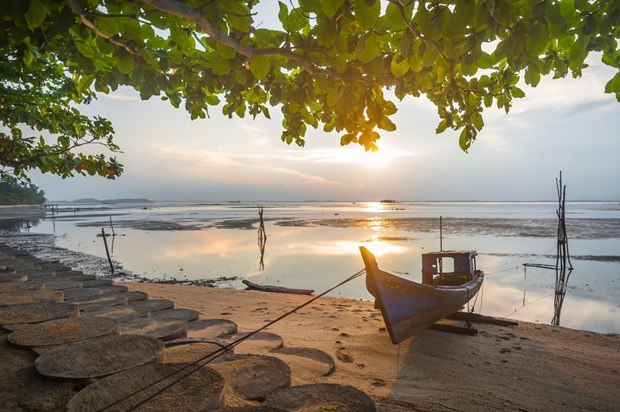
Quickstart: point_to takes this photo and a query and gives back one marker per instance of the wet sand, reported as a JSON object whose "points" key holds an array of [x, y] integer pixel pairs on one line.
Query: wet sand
{"points": [[524, 367]]}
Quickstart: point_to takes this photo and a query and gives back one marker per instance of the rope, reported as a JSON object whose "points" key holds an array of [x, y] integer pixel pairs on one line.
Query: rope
{"points": [[215, 354], [523, 264], [527, 304]]}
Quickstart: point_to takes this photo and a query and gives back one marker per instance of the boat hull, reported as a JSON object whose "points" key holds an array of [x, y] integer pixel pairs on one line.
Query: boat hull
{"points": [[409, 307]]}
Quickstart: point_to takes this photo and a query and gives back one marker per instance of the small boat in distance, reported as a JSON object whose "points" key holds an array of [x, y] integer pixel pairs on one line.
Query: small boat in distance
{"points": [[449, 280], [276, 289]]}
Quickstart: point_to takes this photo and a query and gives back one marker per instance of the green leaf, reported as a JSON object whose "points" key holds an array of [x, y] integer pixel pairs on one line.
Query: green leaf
{"points": [[259, 66], [107, 25], [282, 13], [226, 52], [577, 53], [399, 68], [613, 86], [85, 49], [463, 14], [387, 125], [179, 36], [532, 75], [465, 139], [326, 32], [442, 126], [537, 39], [394, 17], [367, 15], [367, 48], [518, 93], [220, 65], [36, 14], [429, 56], [237, 14], [211, 99], [311, 6], [567, 8], [330, 7], [124, 62], [293, 22], [28, 57], [84, 83], [478, 121], [488, 100]]}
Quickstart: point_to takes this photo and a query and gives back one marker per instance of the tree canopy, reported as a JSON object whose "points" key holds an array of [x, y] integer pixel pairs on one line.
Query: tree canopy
{"points": [[341, 65], [14, 193]]}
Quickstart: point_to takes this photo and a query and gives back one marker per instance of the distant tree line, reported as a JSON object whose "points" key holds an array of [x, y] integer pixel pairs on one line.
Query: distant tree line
{"points": [[14, 193]]}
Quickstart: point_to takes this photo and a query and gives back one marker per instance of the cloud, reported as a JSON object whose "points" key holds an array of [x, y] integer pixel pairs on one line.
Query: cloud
{"points": [[235, 167]]}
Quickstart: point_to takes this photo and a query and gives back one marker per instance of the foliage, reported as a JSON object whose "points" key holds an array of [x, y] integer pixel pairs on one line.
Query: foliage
{"points": [[14, 193], [335, 64]]}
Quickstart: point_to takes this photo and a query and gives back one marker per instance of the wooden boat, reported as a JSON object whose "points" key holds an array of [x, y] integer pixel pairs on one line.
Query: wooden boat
{"points": [[276, 289], [449, 280]]}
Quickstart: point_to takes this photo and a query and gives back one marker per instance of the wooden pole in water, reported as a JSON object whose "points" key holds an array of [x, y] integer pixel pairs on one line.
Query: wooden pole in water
{"points": [[112, 227], [440, 235], [262, 238], [107, 252]]}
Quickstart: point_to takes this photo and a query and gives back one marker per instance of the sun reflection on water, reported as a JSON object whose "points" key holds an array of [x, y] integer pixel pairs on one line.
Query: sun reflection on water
{"points": [[376, 224], [377, 246], [374, 207]]}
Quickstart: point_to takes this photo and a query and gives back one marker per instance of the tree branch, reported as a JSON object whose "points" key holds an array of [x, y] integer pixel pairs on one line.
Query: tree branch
{"points": [[80, 12], [186, 12], [179, 9]]}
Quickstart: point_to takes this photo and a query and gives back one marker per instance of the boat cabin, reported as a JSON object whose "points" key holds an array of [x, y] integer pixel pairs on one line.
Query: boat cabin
{"points": [[450, 268]]}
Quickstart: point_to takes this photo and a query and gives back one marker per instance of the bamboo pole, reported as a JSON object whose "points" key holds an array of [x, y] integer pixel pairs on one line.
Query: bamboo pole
{"points": [[107, 252]]}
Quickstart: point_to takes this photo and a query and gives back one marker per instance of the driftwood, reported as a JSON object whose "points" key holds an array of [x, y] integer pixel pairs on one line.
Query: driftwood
{"points": [[441, 327], [276, 289], [478, 318]]}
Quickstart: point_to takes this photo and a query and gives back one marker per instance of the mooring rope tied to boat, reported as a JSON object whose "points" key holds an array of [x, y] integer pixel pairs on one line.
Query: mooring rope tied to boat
{"points": [[203, 361]]}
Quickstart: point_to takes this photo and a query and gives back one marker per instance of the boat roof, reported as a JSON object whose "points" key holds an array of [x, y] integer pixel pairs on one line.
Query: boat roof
{"points": [[470, 253]]}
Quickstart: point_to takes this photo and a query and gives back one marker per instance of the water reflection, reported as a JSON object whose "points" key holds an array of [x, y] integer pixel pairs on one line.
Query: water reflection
{"points": [[561, 280], [376, 224], [374, 207], [262, 239], [18, 225], [310, 248]]}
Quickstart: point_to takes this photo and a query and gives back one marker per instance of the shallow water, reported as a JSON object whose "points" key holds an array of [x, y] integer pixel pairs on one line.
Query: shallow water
{"points": [[316, 245]]}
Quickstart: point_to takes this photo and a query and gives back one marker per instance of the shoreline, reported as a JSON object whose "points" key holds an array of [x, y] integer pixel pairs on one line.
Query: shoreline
{"points": [[43, 245]]}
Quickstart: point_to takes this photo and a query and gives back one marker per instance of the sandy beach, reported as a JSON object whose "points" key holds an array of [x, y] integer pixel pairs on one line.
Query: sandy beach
{"points": [[527, 367]]}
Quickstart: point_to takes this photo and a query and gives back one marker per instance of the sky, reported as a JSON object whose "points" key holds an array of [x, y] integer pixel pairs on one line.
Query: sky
{"points": [[567, 125]]}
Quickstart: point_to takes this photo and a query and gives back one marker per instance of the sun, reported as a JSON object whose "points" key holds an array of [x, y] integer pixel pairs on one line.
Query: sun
{"points": [[376, 160], [382, 157]]}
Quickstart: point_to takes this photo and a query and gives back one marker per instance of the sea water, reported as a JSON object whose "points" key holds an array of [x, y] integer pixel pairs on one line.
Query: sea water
{"points": [[316, 245]]}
